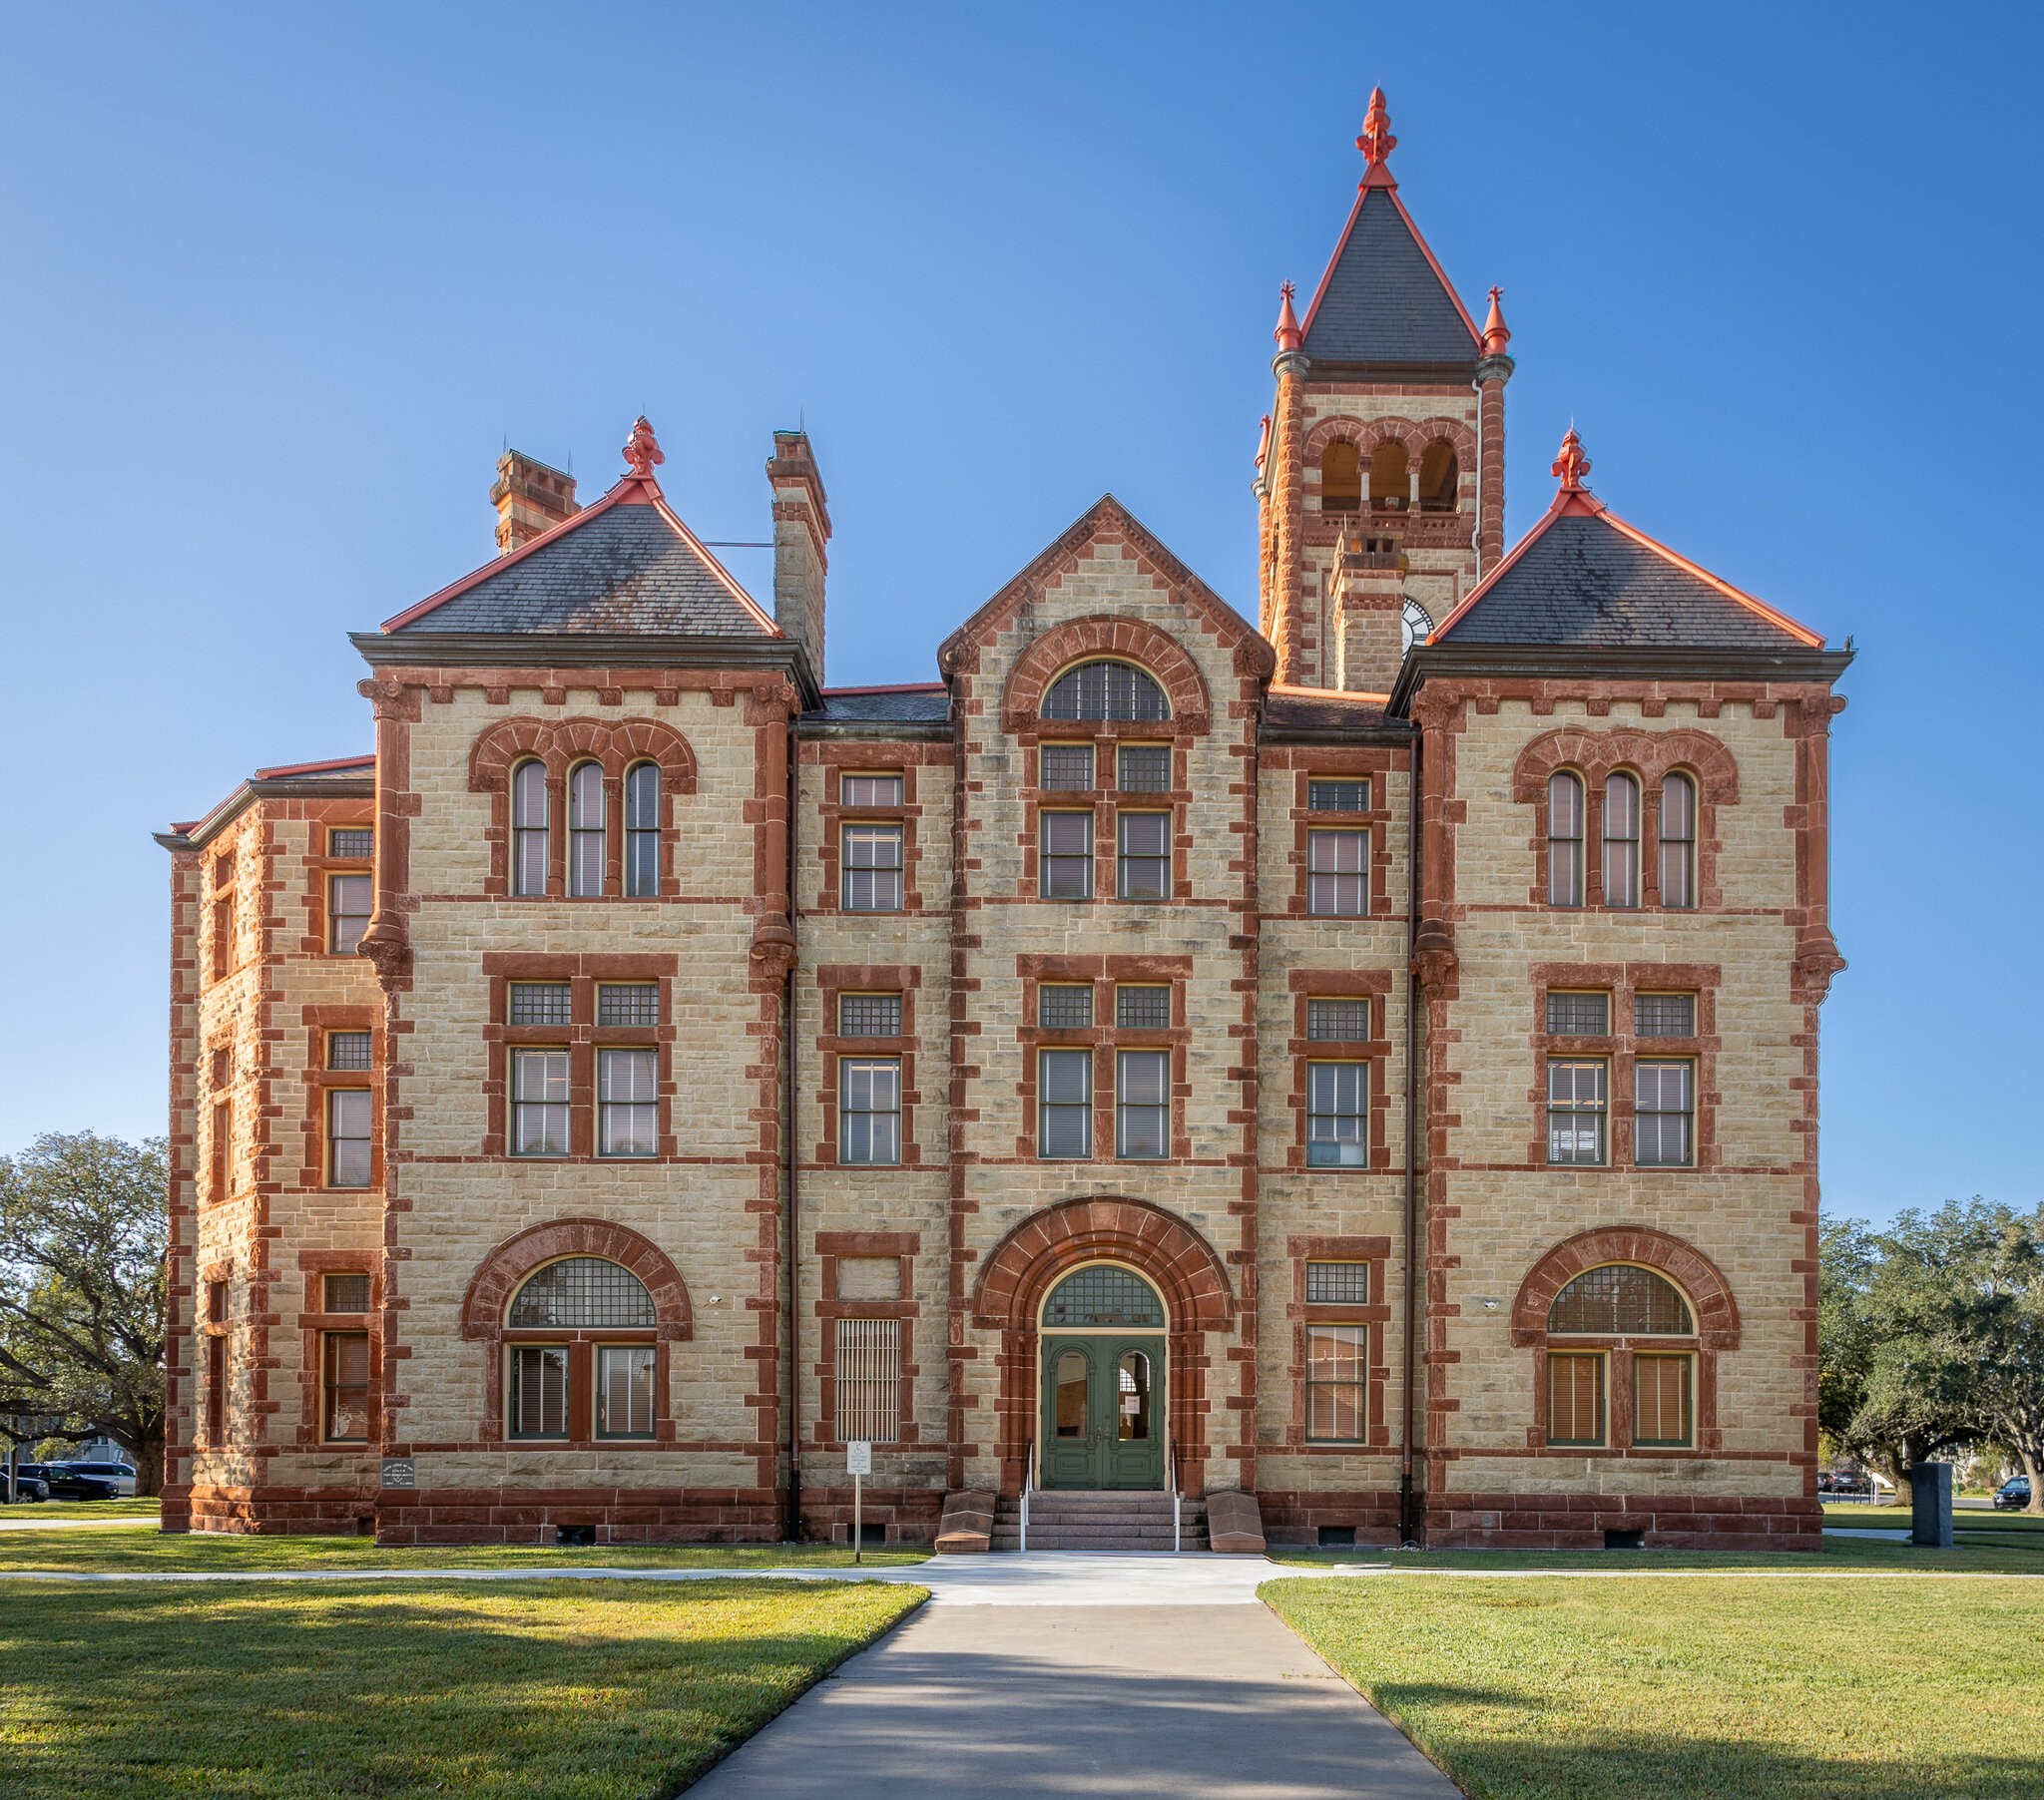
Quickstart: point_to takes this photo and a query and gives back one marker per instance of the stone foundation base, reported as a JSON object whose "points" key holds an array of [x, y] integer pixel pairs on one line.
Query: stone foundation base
{"points": [[1657, 1522], [606, 1515], [896, 1515], [1293, 1515], [270, 1509]]}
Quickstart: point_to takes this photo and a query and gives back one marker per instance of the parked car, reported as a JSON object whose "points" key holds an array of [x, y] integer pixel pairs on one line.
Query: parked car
{"points": [[119, 1474], [27, 1490], [64, 1483], [2014, 1495]]}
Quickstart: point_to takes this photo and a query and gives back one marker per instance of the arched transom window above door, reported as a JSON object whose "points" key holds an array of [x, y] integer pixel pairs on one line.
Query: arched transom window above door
{"points": [[582, 1293], [1620, 1300], [1102, 1295], [1106, 689]]}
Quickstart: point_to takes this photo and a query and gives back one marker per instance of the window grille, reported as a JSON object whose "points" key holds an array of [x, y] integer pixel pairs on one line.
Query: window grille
{"points": [[1665, 1014], [1678, 841], [1105, 691], [626, 1102], [539, 1103], [352, 842], [1564, 839], [1066, 858], [344, 1410], [542, 1003], [1664, 1106], [1142, 1009], [345, 1293], [1337, 1383], [529, 828], [1340, 1021], [868, 1373], [1064, 1008], [1621, 841], [869, 1015], [1575, 1112], [1143, 1105], [873, 868], [870, 790], [1337, 796], [624, 1391], [1662, 1401], [1579, 1015], [1144, 857], [628, 1003], [347, 1136], [1575, 1399], [1103, 1295], [582, 1293], [1144, 768], [348, 900], [870, 1110], [1067, 767], [1337, 1122], [539, 1391], [641, 830], [1337, 1283], [347, 1050], [1065, 1104], [1337, 882], [1620, 1300]]}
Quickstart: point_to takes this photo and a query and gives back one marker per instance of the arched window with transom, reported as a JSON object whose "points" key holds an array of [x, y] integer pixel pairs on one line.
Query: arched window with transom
{"points": [[579, 1354], [1103, 1295], [1625, 1335], [1106, 689]]}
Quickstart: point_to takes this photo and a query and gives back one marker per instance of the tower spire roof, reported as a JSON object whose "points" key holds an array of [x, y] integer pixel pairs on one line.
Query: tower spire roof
{"points": [[1496, 334], [1376, 144], [1288, 334]]}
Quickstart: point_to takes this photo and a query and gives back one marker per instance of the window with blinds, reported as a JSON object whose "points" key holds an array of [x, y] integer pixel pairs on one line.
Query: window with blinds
{"points": [[870, 1380], [1575, 1399], [1661, 1400]]}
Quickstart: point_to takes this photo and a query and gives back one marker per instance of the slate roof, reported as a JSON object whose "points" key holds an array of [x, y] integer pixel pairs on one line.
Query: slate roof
{"points": [[624, 565], [915, 705], [1385, 297], [1320, 709], [1584, 578]]}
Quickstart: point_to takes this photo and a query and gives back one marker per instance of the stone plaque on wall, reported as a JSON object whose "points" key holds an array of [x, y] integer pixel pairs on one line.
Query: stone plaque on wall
{"points": [[399, 1472]]}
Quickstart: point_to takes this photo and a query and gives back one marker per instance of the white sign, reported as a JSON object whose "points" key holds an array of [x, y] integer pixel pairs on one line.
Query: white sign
{"points": [[858, 1457]]}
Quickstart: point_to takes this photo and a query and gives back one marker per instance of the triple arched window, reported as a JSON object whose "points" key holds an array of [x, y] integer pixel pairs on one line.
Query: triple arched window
{"points": [[592, 871], [1621, 835]]}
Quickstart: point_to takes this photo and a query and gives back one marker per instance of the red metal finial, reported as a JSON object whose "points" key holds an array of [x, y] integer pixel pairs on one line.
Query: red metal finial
{"points": [[1377, 142], [1495, 334], [1287, 334], [1571, 465], [642, 450]]}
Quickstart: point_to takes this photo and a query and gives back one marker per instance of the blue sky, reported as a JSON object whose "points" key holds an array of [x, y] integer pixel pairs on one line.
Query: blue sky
{"points": [[278, 283]]}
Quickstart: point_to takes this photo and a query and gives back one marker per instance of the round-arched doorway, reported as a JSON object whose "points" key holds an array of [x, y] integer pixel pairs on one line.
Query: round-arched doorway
{"points": [[1102, 1406]]}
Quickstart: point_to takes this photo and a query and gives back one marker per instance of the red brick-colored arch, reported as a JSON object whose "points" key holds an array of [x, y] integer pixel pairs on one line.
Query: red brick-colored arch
{"points": [[505, 1269], [1717, 1313], [1128, 639], [1413, 434], [1034, 1256]]}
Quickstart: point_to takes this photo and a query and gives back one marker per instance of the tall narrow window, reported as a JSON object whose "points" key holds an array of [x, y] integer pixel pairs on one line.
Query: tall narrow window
{"points": [[1336, 1390], [1341, 478], [222, 936], [344, 1385], [1066, 855], [216, 1389], [868, 1372], [1678, 841], [626, 1102], [1662, 1401], [1142, 1103], [348, 899], [1064, 1087], [1337, 879], [1336, 1120], [1576, 1111], [348, 1138], [624, 1391], [1144, 855], [1575, 1398], [539, 1103], [221, 1147], [529, 851], [1620, 840], [870, 1110], [641, 830], [1564, 839], [539, 1390], [585, 829], [873, 868], [1439, 478], [1664, 1113]]}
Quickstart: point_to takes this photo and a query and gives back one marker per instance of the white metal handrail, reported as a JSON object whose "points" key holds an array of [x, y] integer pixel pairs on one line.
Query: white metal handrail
{"points": [[1028, 1482]]}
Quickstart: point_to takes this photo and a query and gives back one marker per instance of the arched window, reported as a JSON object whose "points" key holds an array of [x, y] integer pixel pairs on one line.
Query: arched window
{"points": [[1390, 476], [580, 1293], [1564, 839], [529, 850], [1620, 840], [585, 829], [583, 1387], [1103, 1295], [1341, 478], [1106, 691], [1440, 478], [1620, 1300], [641, 830], [1678, 841]]}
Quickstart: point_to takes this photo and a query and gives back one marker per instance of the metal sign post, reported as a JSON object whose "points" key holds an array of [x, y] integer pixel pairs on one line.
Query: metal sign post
{"points": [[859, 1463]]}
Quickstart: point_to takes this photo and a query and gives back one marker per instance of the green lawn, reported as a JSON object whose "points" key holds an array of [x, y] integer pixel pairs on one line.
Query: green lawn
{"points": [[1975, 1556], [1529, 1689], [557, 1690], [142, 1548], [87, 1508]]}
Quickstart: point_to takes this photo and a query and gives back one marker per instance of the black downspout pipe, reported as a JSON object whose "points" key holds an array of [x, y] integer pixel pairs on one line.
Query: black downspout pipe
{"points": [[791, 1161], [1410, 1531]]}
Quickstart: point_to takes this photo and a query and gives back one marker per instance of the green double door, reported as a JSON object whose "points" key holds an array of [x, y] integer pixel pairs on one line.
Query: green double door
{"points": [[1103, 1411]]}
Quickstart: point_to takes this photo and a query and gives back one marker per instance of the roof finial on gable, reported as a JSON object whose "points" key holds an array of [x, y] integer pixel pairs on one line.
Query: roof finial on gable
{"points": [[1377, 143], [642, 450], [1571, 465], [1495, 334], [1287, 334]]}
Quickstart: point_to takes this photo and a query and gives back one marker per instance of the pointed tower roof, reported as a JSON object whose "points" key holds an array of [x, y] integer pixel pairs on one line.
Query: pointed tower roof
{"points": [[1585, 579], [1385, 299], [625, 566]]}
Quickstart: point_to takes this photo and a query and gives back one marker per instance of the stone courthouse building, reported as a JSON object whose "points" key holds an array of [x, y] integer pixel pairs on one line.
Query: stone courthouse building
{"points": [[1348, 1076]]}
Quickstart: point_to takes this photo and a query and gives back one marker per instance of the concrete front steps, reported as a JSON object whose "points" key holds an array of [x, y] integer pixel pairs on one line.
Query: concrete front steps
{"points": [[1074, 1520]]}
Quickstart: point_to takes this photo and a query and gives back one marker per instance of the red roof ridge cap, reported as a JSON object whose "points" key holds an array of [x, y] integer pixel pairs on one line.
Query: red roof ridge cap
{"points": [[284, 770]]}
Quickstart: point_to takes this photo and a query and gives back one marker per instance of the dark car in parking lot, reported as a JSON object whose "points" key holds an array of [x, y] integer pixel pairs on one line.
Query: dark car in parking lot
{"points": [[26, 1488], [2014, 1495], [64, 1482]]}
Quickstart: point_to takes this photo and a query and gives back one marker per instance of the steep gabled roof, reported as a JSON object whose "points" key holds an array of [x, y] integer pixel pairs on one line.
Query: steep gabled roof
{"points": [[1584, 578], [623, 565], [338, 777], [1385, 297]]}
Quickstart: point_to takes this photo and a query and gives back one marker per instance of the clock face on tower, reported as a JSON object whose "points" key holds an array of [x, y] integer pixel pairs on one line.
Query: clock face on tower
{"points": [[1417, 626]]}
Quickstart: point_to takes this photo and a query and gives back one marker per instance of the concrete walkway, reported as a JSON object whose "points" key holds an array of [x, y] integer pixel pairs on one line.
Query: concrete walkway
{"points": [[1019, 1698]]}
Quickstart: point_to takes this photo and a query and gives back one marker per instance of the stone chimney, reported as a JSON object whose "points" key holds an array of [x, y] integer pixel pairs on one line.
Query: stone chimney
{"points": [[530, 497], [801, 529], [1369, 610]]}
